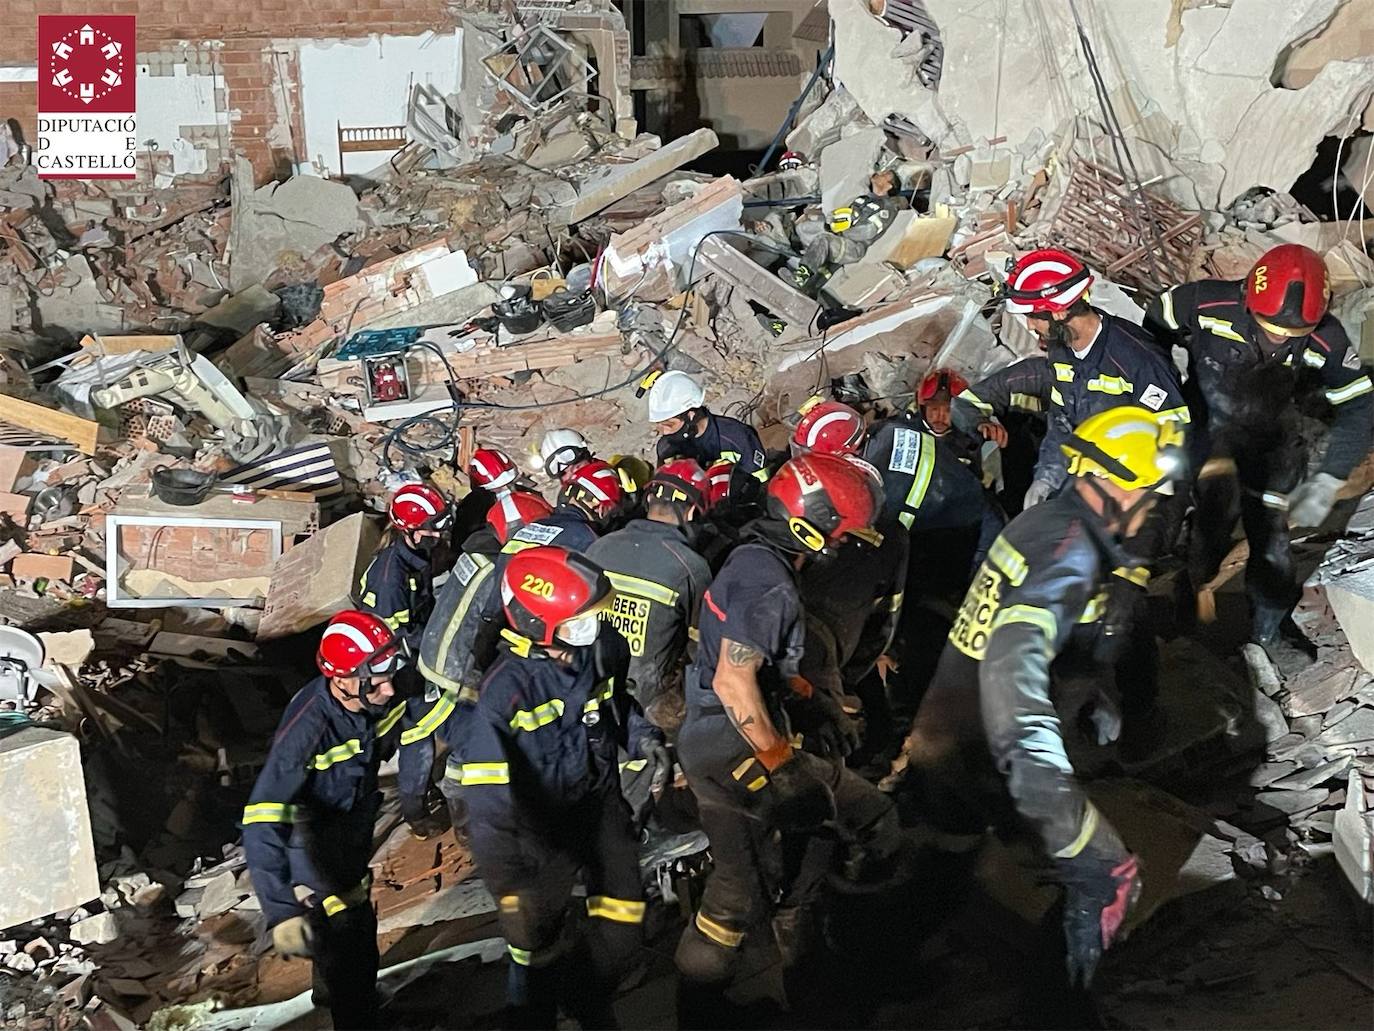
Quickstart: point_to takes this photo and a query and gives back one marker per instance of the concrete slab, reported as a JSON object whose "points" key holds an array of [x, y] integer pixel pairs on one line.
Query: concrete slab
{"points": [[47, 860]]}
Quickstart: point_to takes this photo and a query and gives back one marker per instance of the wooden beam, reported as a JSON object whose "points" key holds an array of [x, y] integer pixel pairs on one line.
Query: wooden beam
{"points": [[83, 433]]}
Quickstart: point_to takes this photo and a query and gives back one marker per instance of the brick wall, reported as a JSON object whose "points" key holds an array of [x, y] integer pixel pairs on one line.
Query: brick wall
{"points": [[260, 77]]}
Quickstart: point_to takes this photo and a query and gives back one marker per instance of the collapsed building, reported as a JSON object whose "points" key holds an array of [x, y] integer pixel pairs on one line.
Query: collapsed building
{"points": [[360, 245]]}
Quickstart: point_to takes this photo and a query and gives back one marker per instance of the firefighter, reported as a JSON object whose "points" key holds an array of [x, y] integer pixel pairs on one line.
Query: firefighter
{"points": [[688, 429], [735, 745], [932, 409], [398, 588], [928, 493], [658, 582], [991, 694], [541, 783], [447, 660], [587, 503], [1093, 361], [852, 604], [562, 452], [1254, 348], [310, 816]]}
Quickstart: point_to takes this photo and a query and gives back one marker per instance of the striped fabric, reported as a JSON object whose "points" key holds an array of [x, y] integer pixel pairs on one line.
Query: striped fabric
{"points": [[310, 469]]}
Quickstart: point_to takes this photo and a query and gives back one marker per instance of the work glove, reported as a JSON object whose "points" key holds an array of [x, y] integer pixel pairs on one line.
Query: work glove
{"points": [[293, 937], [801, 800], [993, 431], [1098, 895], [1310, 502], [1101, 719], [660, 762], [1039, 491], [820, 718]]}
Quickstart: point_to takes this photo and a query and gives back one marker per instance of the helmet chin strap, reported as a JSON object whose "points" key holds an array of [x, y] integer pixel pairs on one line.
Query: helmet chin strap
{"points": [[1112, 510], [1059, 332]]}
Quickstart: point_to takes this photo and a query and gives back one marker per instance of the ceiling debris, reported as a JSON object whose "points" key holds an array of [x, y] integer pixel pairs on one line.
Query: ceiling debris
{"points": [[210, 384]]}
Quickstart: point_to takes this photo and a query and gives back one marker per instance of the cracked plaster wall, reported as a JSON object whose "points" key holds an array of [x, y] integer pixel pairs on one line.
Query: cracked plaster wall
{"points": [[1205, 103]]}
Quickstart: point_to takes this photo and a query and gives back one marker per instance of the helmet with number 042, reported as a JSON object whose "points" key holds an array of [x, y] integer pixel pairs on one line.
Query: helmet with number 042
{"points": [[514, 510], [1287, 292], [492, 468], [828, 428], [1130, 446], [825, 497], [418, 507], [357, 644], [1044, 281], [553, 595]]}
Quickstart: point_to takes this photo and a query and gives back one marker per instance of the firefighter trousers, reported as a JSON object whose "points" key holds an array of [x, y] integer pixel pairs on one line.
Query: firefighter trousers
{"points": [[549, 962], [345, 960], [1265, 477], [753, 861]]}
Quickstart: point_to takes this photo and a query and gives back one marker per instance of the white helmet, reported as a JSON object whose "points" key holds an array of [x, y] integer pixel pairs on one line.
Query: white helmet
{"points": [[672, 394], [562, 448]]}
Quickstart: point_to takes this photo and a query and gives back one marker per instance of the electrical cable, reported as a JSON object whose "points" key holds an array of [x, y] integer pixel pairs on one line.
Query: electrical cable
{"points": [[396, 435]]}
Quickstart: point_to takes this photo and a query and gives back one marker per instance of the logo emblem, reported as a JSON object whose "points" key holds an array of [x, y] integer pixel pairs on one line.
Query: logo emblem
{"points": [[87, 75]]}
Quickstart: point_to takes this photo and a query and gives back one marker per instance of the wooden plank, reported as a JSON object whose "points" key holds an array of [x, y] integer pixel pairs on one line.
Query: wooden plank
{"points": [[83, 433]]}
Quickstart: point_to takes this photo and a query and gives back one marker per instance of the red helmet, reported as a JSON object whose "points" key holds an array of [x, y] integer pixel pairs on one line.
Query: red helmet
{"points": [[418, 507], [356, 643], [545, 587], [946, 380], [492, 468], [596, 486], [1287, 291], [790, 159], [515, 509], [824, 497], [718, 477], [828, 428], [1046, 280], [680, 481]]}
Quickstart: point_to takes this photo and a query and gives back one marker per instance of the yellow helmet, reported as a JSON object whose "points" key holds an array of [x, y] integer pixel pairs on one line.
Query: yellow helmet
{"points": [[1130, 445]]}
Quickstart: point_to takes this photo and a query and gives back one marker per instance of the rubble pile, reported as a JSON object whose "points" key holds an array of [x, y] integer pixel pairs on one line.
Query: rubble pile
{"points": [[207, 387]]}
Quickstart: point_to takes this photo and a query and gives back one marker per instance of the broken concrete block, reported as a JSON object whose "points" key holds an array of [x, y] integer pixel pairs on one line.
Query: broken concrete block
{"points": [[613, 182], [1353, 837], [669, 240], [316, 579], [95, 930], [756, 282], [47, 860], [847, 164], [1351, 596]]}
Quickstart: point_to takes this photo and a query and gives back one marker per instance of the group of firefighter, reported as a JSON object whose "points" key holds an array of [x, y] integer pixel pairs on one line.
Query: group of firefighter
{"points": [[738, 631]]}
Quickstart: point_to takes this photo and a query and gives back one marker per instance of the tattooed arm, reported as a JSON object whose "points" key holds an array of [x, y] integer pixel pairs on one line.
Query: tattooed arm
{"points": [[736, 683]]}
